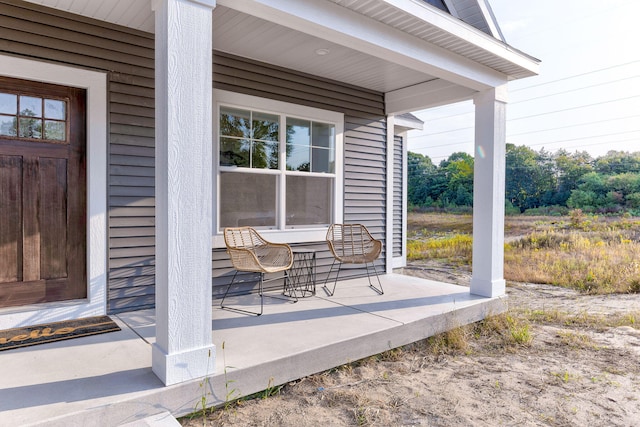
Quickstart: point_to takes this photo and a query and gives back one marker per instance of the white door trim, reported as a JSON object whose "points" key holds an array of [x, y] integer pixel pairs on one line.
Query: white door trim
{"points": [[96, 85]]}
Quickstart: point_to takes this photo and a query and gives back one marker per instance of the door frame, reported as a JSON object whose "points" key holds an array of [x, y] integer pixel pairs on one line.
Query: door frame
{"points": [[96, 85]]}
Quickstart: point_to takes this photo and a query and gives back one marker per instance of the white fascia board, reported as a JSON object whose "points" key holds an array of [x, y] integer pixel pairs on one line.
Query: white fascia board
{"points": [[342, 26], [402, 125], [467, 32], [433, 93]]}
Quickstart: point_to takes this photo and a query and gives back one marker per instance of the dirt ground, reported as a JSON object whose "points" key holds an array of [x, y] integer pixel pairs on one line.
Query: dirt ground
{"points": [[569, 375]]}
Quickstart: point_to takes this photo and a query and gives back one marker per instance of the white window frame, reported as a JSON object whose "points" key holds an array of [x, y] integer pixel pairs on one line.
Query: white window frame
{"points": [[283, 109]]}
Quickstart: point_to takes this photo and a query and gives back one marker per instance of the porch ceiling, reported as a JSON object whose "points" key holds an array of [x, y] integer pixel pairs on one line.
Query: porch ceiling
{"points": [[247, 35]]}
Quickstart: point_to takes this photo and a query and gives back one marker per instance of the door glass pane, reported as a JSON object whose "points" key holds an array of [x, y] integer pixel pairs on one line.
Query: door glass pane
{"points": [[54, 130], [54, 109], [8, 125], [248, 199], [8, 103], [30, 128], [30, 106], [309, 200]]}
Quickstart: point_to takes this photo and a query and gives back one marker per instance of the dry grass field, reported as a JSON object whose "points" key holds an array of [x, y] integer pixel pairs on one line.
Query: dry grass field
{"points": [[565, 354], [598, 255]]}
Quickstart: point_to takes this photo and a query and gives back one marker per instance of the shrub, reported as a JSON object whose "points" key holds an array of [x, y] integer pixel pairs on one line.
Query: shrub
{"points": [[633, 200], [555, 210]]}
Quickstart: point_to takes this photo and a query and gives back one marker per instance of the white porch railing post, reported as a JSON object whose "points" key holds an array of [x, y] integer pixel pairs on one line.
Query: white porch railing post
{"points": [[183, 81], [488, 193]]}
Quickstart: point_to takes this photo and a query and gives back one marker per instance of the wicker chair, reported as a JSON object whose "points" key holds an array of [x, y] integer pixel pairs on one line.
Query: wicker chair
{"points": [[353, 244], [250, 252]]}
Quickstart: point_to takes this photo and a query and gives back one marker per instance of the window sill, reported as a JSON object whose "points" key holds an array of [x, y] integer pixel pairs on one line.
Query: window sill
{"points": [[308, 235]]}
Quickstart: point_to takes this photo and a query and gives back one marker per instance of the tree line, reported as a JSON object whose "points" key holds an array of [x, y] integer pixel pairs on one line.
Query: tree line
{"points": [[535, 180]]}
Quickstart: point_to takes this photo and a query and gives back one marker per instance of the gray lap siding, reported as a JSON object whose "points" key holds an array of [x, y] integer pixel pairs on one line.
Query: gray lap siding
{"points": [[127, 57]]}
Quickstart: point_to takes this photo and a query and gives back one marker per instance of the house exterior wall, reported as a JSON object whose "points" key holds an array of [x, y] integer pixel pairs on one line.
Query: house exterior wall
{"points": [[364, 144], [128, 58]]}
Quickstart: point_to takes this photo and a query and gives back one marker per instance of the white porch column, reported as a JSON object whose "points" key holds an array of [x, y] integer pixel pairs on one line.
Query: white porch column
{"points": [[488, 193], [183, 80]]}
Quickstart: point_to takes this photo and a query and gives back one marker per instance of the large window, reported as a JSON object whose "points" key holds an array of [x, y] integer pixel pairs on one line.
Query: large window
{"points": [[277, 167]]}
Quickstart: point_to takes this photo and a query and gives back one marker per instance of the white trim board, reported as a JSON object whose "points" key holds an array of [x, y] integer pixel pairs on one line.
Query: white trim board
{"points": [[96, 85]]}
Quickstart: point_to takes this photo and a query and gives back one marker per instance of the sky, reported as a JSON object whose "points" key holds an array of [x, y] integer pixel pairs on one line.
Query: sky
{"points": [[587, 96]]}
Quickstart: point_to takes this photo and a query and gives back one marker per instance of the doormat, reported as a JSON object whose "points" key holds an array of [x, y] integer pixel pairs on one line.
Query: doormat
{"points": [[55, 331]]}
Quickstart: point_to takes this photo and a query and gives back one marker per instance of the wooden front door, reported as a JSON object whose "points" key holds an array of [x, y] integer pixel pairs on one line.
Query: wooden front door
{"points": [[42, 193]]}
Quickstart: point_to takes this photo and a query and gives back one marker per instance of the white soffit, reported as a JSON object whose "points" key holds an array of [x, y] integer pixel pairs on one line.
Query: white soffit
{"points": [[239, 34], [251, 36], [430, 24]]}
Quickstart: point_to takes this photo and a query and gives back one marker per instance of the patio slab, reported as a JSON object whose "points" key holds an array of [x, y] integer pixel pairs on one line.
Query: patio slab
{"points": [[107, 379]]}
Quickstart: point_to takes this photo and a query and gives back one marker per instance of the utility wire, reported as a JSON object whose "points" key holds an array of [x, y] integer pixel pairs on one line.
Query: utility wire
{"points": [[583, 138], [443, 132], [576, 108], [571, 126], [603, 143], [572, 146], [575, 75], [574, 90], [533, 131]]}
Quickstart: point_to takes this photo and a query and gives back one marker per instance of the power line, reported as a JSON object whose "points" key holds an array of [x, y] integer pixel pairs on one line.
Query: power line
{"points": [[572, 146], [583, 138], [576, 125], [576, 75], [602, 143], [444, 131], [453, 115], [576, 108], [575, 90], [536, 131], [533, 131], [557, 93], [444, 145]]}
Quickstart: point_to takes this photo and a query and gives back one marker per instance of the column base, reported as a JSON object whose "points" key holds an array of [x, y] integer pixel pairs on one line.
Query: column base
{"points": [[180, 367], [488, 288]]}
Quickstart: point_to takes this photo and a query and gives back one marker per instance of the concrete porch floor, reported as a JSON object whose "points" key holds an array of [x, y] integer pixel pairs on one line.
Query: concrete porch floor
{"points": [[106, 380]]}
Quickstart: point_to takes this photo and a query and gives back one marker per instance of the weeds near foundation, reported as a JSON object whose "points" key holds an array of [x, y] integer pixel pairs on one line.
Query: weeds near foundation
{"points": [[231, 393], [271, 390], [365, 415], [201, 406], [565, 376]]}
